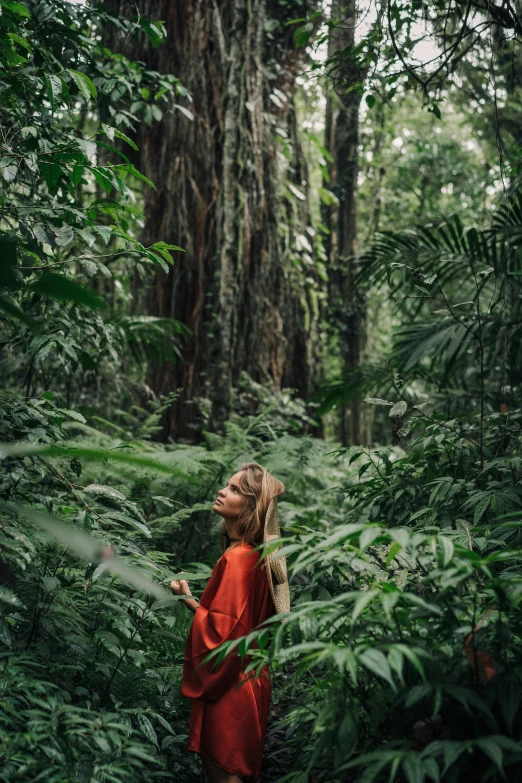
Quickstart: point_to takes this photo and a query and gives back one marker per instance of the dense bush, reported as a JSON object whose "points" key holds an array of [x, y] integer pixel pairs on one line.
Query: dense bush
{"points": [[399, 684]]}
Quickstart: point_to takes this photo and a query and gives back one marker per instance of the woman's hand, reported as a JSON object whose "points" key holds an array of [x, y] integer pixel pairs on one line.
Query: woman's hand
{"points": [[180, 587]]}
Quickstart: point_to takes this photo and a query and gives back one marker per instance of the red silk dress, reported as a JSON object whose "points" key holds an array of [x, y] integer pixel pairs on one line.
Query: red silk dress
{"points": [[227, 723]]}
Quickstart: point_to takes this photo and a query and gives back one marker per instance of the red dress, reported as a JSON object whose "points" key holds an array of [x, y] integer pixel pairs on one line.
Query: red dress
{"points": [[228, 724]]}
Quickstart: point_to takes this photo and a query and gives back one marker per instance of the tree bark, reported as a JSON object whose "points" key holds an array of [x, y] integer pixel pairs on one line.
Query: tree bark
{"points": [[220, 195], [347, 306]]}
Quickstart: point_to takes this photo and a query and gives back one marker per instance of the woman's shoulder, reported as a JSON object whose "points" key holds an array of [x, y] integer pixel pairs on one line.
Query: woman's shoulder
{"points": [[237, 552], [241, 558], [238, 548]]}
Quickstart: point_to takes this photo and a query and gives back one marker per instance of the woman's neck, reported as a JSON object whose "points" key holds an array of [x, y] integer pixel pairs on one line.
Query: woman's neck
{"points": [[229, 538], [230, 528], [230, 535]]}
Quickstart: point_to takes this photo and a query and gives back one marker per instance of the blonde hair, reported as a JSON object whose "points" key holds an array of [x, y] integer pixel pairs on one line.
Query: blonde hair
{"points": [[259, 488]]}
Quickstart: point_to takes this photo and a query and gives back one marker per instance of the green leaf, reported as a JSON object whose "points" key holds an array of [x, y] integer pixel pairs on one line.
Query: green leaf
{"points": [[72, 415], [166, 725], [20, 41], [135, 173], [394, 550], [108, 131], [361, 602], [447, 549], [377, 401], [416, 694], [51, 172], [165, 246], [113, 133], [67, 347], [89, 548], [492, 750], [130, 521], [389, 601], [376, 662], [432, 769], [413, 768], [451, 751], [184, 111], [63, 288], [76, 174], [103, 491], [10, 307], [8, 168], [54, 89], [8, 597], [412, 656], [509, 694], [368, 536], [84, 84], [147, 728], [399, 409], [347, 734], [103, 455], [327, 197], [5, 634], [17, 8], [468, 699], [302, 34]]}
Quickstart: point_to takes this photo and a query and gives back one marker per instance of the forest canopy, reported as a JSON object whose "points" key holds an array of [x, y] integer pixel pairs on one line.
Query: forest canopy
{"points": [[287, 231]]}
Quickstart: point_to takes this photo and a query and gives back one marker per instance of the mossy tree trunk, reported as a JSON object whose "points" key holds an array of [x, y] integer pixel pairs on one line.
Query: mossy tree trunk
{"points": [[221, 195]]}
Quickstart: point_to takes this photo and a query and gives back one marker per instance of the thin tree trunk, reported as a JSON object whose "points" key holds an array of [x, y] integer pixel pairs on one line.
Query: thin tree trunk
{"points": [[347, 305]]}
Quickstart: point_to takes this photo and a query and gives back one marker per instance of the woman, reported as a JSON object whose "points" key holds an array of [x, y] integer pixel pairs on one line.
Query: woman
{"points": [[227, 722]]}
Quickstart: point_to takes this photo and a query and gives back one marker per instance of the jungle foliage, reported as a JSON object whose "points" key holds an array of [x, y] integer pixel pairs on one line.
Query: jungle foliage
{"points": [[400, 659]]}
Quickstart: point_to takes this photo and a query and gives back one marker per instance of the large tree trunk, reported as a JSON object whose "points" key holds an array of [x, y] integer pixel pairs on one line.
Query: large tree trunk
{"points": [[347, 308], [220, 195]]}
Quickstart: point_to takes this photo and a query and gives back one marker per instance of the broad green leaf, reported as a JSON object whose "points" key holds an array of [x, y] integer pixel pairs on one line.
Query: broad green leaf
{"points": [[389, 601], [509, 695], [103, 491], [63, 288], [54, 90], [416, 694], [88, 547], [102, 455], [493, 751], [413, 768], [5, 634], [147, 728], [8, 168], [184, 111], [84, 84], [447, 549], [8, 597], [399, 409], [10, 307], [17, 8], [376, 662], [361, 602], [368, 536]]}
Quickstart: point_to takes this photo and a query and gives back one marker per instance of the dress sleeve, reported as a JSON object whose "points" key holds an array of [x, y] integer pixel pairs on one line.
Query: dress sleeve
{"points": [[224, 620]]}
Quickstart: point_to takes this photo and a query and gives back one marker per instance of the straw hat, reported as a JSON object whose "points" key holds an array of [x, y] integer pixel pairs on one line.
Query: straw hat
{"points": [[276, 571]]}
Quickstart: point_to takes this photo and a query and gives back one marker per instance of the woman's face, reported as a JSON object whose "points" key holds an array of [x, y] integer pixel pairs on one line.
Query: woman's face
{"points": [[230, 500]]}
